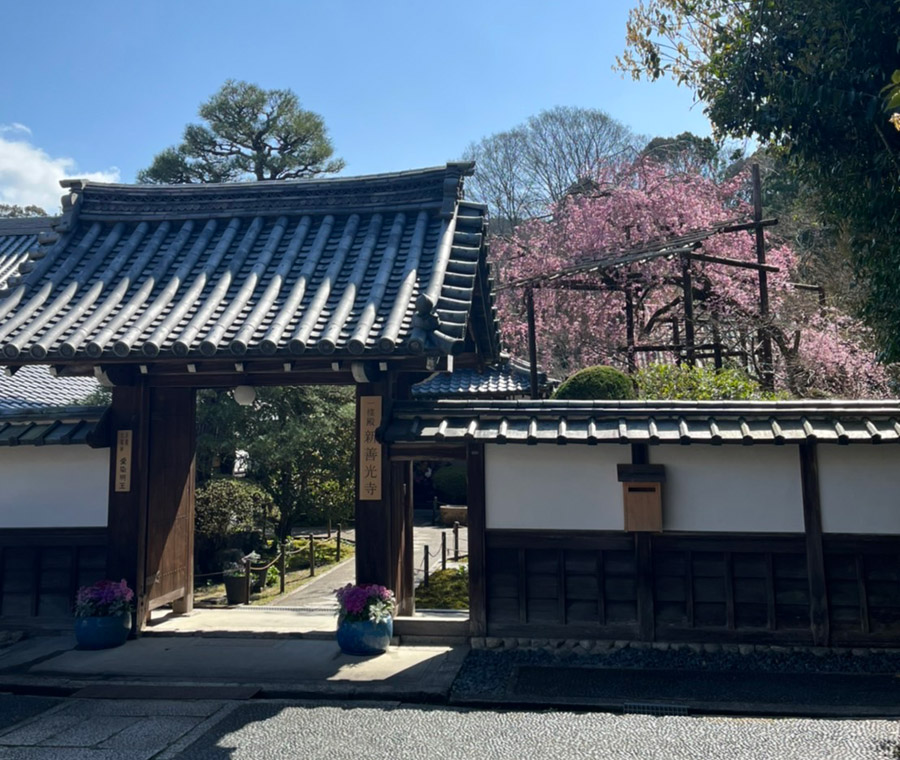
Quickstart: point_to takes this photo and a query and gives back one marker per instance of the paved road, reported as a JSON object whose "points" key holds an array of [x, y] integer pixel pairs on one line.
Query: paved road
{"points": [[258, 730]]}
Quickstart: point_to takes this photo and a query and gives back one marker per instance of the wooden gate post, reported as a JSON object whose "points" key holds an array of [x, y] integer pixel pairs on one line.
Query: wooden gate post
{"points": [[129, 426], [476, 516], [374, 526]]}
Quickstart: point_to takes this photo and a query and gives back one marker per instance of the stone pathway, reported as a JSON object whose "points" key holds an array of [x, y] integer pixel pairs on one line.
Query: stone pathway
{"points": [[318, 595], [77, 729]]}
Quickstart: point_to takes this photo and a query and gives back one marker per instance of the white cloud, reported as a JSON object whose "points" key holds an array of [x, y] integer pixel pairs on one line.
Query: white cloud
{"points": [[15, 127], [28, 175]]}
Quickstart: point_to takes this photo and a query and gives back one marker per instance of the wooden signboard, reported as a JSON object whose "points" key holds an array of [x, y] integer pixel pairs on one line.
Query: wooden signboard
{"points": [[123, 461], [369, 449]]}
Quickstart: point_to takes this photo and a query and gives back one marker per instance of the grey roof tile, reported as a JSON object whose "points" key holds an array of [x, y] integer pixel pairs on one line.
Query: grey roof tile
{"points": [[59, 426], [33, 387], [507, 380], [654, 422], [18, 237], [354, 266]]}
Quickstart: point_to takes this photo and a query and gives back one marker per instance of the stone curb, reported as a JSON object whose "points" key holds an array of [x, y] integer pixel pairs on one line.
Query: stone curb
{"points": [[310, 690]]}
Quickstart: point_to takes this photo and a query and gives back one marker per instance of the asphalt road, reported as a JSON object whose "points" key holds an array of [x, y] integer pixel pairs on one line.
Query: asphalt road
{"points": [[163, 730]]}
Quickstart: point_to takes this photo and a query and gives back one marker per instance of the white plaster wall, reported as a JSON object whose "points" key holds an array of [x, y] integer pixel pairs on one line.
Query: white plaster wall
{"points": [[860, 488], [53, 486], [731, 488], [554, 487]]}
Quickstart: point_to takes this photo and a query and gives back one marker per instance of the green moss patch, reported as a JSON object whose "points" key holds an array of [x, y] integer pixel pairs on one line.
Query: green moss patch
{"points": [[446, 590]]}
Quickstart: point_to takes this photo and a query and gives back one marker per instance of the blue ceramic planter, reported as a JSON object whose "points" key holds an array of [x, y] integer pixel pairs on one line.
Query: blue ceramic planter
{"points": [[102, 632], [364, 636]]}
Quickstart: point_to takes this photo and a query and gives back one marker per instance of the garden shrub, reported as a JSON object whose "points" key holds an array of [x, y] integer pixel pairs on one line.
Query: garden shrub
{"points": [[450, 483], [600, 382], [225, 509], [671, 382]]}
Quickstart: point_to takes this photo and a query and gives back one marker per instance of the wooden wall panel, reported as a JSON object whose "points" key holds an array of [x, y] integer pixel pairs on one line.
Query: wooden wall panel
{"points": [[702, 587], [41, 570]]}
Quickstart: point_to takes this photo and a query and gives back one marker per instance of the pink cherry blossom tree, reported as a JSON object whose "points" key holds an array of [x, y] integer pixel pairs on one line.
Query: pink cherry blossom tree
{"points": [[581, 320]]}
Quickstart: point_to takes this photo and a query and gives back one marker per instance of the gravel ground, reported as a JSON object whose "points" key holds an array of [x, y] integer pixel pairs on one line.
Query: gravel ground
{"points": [[491, 673], [259, 731]]}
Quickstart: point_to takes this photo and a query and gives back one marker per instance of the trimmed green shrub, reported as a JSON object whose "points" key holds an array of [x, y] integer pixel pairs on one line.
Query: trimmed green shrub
{"points": [[668, 381], [600, 382], [450, 484], [227, 510]]}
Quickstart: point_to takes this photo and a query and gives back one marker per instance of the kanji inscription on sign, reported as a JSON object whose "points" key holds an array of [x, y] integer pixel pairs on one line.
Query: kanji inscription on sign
{"points": [[369, 448], [123, 461]]}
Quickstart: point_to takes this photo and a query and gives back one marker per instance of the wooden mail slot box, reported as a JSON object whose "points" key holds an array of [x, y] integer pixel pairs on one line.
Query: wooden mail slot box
{"points": [[642, 496]]}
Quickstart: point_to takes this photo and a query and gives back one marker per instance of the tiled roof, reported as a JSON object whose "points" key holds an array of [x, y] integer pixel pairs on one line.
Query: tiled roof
{"points": [[509, 379], [59, 426], [17, 238], [33, 387], [591, 422], [374, 266]]}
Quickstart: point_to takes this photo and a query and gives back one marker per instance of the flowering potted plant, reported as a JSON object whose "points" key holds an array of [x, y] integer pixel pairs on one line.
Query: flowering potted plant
{"points": [[365, 622], [235, 577], [103, 614]]}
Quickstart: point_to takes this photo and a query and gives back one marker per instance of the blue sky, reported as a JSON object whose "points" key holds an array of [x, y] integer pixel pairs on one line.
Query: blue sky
{"points": [[97, 88]]}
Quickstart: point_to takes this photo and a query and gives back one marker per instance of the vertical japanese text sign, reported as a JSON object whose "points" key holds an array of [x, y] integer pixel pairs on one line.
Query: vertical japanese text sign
{"points": [[369, 449], [123, 461]]}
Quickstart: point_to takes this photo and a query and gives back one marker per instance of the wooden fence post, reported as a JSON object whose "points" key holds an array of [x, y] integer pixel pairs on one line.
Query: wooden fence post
{"points": [[282, 564], [456, 541], [312, 556], [426, 565], [246, 580], [338, 542], [443, 550]]}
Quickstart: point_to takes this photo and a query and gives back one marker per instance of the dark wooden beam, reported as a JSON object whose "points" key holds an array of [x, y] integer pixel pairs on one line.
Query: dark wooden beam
{"points": [[477, 516], [768, 372], [674, 347], [688, 291], [232, 379], [809, 287], [815, 555], [629, 329], [733, 262], [532, 342], [402, 586], [750, 225], [643, 553], [409, 554], [415, 451]]}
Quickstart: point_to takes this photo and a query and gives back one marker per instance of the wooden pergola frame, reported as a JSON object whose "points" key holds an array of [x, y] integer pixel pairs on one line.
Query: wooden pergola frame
{"points": [[685, 248]]}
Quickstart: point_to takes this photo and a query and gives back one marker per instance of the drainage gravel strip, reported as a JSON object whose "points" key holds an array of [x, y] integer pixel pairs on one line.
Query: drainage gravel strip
{"points": [[822, 681]]}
